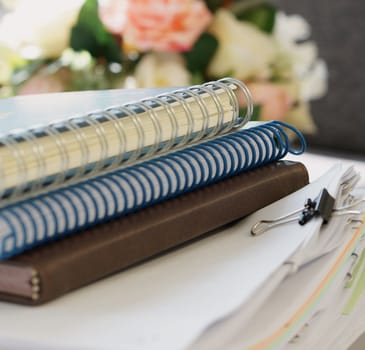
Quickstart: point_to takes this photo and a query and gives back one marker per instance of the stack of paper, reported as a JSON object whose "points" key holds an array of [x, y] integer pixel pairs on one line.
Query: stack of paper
{"points": [[318, 301], [292, 287]]}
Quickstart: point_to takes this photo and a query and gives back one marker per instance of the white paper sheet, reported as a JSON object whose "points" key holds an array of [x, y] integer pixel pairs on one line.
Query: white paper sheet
{"points": [[234, 326]]}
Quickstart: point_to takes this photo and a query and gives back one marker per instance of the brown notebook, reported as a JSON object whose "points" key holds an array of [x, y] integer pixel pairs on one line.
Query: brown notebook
{"points": [[48, 271]]}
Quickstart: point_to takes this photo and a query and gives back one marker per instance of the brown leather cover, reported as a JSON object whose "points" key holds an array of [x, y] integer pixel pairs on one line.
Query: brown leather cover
{"points": [[78, 260]]}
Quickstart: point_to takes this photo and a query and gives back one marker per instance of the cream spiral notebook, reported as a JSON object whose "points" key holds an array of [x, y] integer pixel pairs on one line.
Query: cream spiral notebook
{"points": [[57, 152]]}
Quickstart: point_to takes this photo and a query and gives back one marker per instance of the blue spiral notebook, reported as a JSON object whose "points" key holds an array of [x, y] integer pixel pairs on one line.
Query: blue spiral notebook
{"points": [[74, 207]]}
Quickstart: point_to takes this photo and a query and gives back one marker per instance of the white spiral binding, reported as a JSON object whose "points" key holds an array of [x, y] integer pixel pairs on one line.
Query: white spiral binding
{"points": [[10, 142], [65, 159], [115, 115]]}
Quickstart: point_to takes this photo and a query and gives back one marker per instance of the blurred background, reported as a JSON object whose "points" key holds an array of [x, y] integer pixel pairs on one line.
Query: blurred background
{"points": [[302, 60]]}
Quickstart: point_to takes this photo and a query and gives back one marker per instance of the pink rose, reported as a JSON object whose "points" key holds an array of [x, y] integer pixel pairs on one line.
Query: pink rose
{"points": [[160, 25], [274, 100], [113, 15]]}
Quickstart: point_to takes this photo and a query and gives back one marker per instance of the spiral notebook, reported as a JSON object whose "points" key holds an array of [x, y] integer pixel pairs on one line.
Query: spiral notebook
{"points": [[58, 152], [69, 209], [48, 271]]}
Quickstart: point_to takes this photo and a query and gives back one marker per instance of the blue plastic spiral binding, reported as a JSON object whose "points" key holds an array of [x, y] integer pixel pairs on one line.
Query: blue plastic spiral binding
{"points": [[70, 209]]}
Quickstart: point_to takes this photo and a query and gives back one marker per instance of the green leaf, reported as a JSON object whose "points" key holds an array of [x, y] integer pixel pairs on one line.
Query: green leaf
{"points": [[198, 58], [197, 78], [90, 34], [262, 16], [214, 5], [255, 113]]}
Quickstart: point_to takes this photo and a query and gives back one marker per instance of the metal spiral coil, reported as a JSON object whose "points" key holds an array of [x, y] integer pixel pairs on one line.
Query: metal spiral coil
{"points": [[30, 177]]}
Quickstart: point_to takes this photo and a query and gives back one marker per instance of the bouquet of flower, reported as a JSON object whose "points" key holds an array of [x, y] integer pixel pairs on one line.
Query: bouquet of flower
{"points": [[88, 44]]}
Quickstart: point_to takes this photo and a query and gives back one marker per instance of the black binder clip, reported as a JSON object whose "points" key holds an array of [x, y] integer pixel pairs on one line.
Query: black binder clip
{"points": [[321, 206]]}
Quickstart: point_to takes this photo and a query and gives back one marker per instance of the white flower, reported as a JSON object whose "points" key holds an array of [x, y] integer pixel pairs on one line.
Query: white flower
{"points": [[244, 51], [9, 4], [292, 33], [39, 28], [161, 69], [5, 67], [314, 84], [8, 60], [290, 28], [301, 118]]}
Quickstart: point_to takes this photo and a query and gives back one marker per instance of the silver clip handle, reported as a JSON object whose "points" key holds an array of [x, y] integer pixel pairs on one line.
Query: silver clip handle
{"points": [[264, 225]]}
